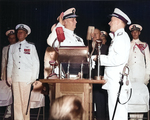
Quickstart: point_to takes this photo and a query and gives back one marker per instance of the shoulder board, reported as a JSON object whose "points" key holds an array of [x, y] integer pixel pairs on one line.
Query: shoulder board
{"points": [[120, 33], [144, 42], [31, 43]]}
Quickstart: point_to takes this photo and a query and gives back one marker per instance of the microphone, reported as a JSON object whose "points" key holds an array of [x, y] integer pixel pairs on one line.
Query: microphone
{"points": [[99, 42], [60, 34]]}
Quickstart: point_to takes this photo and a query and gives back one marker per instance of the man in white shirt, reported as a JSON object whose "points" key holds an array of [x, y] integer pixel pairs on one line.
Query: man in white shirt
{"points": [[22, 71], [67, 20]]}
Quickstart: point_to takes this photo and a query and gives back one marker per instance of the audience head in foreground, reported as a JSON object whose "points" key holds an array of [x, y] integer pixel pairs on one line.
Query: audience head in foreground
{"points": [[67, 107]]}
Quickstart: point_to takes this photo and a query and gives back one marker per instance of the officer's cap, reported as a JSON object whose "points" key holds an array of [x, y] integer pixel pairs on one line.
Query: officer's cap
{"points": [[10, 32], [135, 27], [23, 27], [121, 15], [70, 13], [104, 33]]}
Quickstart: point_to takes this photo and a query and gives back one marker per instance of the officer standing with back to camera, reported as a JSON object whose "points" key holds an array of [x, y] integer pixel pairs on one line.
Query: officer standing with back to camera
{"points": [[22, 71], [67, 20], [114, 63]]}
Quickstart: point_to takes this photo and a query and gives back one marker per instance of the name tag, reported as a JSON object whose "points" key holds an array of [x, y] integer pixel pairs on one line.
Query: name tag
{"points": [[26, 51]]}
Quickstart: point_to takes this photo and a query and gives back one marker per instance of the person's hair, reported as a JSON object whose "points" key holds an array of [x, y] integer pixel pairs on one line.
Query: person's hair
{"points": [[67, 107]]}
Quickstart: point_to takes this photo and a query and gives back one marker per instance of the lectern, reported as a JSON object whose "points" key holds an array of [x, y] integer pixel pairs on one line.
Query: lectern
{"points": [[73, 60]]}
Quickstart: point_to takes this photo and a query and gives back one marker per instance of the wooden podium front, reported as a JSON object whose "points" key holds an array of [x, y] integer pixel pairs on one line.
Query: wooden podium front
{"points": [[80, 87]]}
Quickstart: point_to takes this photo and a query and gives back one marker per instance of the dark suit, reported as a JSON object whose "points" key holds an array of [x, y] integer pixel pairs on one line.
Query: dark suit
{"points": [[99, 94]]}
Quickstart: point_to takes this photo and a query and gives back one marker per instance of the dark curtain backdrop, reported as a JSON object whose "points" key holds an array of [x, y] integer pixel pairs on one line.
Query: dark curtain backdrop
{"points": [[40, 15]]}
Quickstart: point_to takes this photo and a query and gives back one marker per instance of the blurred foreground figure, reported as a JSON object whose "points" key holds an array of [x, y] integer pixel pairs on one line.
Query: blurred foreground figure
{"points": [[68, 107]]}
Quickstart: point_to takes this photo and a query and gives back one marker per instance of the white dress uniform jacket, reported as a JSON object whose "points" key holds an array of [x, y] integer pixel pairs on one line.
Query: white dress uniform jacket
{"points": [[114, 63], [116, 59], [5, 91], [139, 62], [23, 62], [4, 62], [71, 39]]}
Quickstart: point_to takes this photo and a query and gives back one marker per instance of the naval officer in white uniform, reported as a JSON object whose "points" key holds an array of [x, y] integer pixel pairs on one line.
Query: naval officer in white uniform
{"points": [[139, 59], [67, 20], [5, 90], [22, 71], [12, 39], [139, 64], [115, 61]]}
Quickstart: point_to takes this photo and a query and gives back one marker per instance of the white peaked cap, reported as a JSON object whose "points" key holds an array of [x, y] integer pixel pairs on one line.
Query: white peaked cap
{"points": [[121, 15], [135, 27], [10, 32], [23, 27]]}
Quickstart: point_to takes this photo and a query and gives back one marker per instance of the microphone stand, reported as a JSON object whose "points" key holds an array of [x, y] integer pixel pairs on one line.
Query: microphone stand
{"points": [[98, 59], [90, 59]]}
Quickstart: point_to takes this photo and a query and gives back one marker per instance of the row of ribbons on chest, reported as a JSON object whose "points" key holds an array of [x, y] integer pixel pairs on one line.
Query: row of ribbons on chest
{"points": [[26, 51]]}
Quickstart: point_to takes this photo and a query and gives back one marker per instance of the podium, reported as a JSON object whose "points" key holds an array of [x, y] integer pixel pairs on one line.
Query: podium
{"points": [[79, 87], [73, 60]]}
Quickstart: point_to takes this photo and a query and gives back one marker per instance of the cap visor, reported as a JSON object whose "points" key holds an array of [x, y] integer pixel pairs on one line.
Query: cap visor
{"points": [[71, 16]]}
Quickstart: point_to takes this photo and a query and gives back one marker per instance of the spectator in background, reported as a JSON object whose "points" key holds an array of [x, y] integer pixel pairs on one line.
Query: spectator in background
{"points": [[139, 65], [5, 90], [68, 107], [99, 94]]}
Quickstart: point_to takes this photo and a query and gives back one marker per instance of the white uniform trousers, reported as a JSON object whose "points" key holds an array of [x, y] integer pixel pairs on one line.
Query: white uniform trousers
{"points": [[121, 110], [21, 92]]}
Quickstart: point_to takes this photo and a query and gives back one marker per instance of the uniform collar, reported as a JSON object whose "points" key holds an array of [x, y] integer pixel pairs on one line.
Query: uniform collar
{"points": [[135, 41], [117, 33], [22, 42], [69, 31]]}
